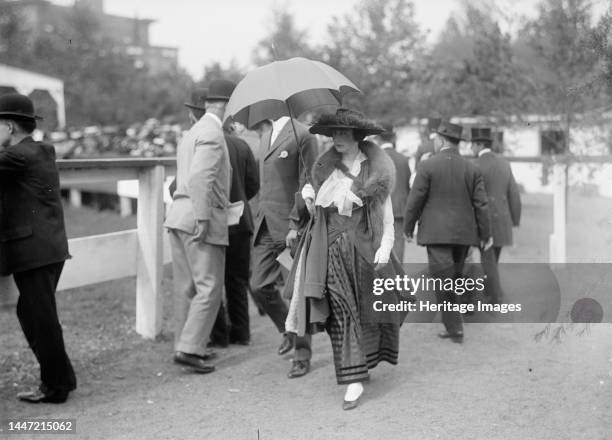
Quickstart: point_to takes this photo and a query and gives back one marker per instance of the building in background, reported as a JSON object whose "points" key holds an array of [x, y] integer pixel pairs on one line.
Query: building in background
{"points": [[130, 35]]}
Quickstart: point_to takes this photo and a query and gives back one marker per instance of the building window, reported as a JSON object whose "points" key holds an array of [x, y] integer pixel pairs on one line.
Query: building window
{"points": [[169, 53], [134, 50]]}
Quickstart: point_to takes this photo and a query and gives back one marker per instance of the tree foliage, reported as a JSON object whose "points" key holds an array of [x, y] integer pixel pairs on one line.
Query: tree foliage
{"points": [[379, 48]]}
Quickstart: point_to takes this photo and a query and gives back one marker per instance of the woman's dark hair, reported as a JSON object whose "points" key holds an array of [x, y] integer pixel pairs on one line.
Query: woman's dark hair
{"points": [[25, 125], [358, 135]]}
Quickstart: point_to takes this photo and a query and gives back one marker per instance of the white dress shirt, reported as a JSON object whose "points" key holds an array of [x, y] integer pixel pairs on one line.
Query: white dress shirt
{"points": [[277, 126]]}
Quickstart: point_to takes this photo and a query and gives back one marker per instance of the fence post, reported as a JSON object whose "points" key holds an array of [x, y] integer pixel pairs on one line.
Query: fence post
{"points": [[558, 241], [150, 212], [125, 206], [75, 197]]}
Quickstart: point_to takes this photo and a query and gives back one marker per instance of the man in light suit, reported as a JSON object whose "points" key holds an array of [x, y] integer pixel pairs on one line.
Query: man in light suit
{"points": [[448, 199], [504, 204], [285, 160], [197, 223]]}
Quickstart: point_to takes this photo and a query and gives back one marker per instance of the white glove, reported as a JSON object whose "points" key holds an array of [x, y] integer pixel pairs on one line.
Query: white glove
{"points": [[382, 255]]}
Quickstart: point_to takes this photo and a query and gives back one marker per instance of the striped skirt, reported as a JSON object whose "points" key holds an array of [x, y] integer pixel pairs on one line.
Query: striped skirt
{"points": [[357, 345]]}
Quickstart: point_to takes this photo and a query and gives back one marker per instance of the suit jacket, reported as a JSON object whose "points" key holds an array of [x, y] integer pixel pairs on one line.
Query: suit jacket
{"points": [[245, 180], [32, 231], [203, 174], [448, 198], [402, 182], [503, 196], [284, 168]]}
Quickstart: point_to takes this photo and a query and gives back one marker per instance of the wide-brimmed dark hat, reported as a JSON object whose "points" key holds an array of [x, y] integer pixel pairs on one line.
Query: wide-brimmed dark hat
{"points": [[17, 106], [220, 90], [345, 118], [449, 130], [481, 134], [198, 96]]}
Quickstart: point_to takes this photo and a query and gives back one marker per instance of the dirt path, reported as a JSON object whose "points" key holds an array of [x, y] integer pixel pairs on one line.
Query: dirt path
{"points": [[500, 384]]}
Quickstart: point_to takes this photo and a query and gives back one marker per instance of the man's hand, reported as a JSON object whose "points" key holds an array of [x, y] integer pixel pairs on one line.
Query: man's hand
{"points": [[201, 230], [310, 206], [291, 237], [408, 238], [486, 245]]}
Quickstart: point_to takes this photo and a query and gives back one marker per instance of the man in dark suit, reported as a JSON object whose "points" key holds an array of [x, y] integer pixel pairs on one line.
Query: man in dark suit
{"points": [[285, 160], [504, 204], [33, 244], [448, 199], [244, 186], [386, 141]]}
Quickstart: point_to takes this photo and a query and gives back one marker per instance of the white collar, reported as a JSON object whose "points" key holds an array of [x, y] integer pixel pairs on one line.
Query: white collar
{"points": [[445, 148], [278, 125], [215, 118], [386, 145], [484, 151]]}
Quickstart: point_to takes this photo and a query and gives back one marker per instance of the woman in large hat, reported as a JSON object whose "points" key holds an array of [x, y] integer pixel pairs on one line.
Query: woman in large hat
{"points": [[348, 243]]}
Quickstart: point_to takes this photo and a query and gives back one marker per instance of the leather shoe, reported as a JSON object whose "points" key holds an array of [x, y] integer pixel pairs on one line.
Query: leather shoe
{"points": [[350, 404], [286, 345], [194, 361], [455, 337], [38, 396], [209, 355], [299, 369]]}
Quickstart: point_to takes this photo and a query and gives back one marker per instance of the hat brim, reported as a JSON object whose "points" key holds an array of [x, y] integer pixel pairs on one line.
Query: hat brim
{"points": [[194, 107], [22, 115], [448, 136], [327, 130], [217, 98]]}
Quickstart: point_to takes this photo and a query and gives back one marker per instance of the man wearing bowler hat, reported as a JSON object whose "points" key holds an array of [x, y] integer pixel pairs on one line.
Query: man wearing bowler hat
{"points": [[197, 224], [33, 244], [504, 203], [448, 199]]}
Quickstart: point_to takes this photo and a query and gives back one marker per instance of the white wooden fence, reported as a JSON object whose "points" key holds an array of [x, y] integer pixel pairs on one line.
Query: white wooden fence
{"points": [[137, 252], [140, 252]]}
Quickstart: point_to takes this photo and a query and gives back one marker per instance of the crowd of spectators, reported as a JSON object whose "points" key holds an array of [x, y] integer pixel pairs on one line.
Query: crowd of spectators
{"points": [[149, 139]]}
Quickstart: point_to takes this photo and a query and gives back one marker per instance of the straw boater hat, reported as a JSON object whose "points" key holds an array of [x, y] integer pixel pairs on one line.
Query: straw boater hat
{"points": [[345, 118]]}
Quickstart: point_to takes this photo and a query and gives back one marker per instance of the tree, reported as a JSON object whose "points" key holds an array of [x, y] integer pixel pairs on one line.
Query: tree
{"points": [[472, 70], [379, 48], [216, 70], [561, 56], [284, 41]]}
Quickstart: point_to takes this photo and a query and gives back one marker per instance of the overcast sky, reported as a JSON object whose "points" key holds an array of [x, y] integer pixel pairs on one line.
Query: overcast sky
{"points": [[222, 30]]}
